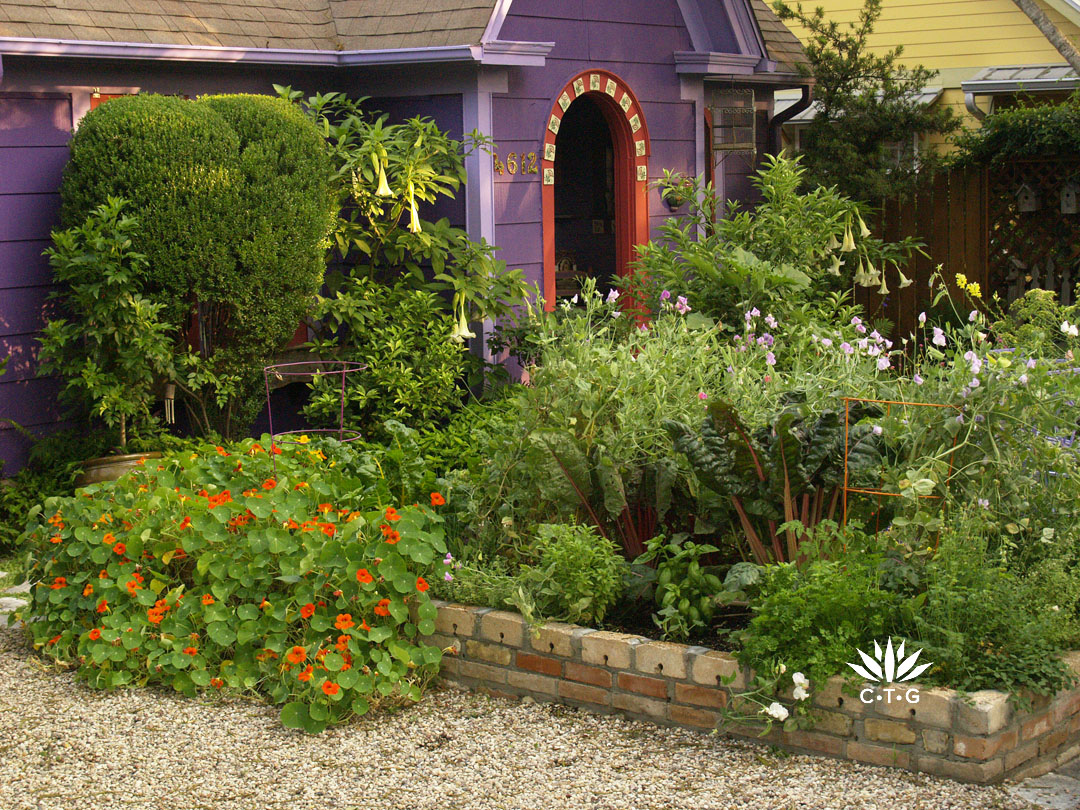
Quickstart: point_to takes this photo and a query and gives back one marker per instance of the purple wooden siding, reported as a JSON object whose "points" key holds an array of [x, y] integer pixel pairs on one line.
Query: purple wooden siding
{"points": [[636, 40], [34, 131]]}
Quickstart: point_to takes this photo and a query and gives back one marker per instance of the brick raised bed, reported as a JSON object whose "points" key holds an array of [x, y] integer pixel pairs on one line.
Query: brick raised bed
{"points": [[979, 737]]}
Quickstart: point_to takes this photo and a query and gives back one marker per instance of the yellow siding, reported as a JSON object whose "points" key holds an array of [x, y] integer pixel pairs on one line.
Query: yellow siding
{"points": [[952, 34]]}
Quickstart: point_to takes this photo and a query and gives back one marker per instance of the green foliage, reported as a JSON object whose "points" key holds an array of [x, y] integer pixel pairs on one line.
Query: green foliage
{"points": [[384, 173], [457, 444], [1027, 131], [1033, 324], [403, 336], [235, 203], [118, 347], [578, 575], [686, 591], [214, 569], [866, 103], [790, 245], [812, 618], [783, 478]]}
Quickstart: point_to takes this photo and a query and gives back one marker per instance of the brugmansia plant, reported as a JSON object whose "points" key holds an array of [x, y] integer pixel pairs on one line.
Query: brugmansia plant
{"points": [[285, 574], [784, 478]]}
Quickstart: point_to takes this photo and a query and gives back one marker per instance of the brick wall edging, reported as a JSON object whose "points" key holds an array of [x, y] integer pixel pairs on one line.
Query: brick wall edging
{"points": [[979, 737]]}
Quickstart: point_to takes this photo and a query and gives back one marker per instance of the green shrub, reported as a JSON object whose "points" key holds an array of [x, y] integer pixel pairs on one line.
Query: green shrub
{"points": [[209, 569], [578, 575], [235, 202], [1035, 131], [403, 336], [685, 590]]}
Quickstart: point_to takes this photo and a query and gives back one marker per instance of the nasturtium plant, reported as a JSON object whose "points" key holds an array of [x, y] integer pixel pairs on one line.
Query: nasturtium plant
{"points": [[276, 571]]}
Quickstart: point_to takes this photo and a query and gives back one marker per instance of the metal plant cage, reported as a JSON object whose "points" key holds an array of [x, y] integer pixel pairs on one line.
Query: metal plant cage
{"points": [[311, 369]]}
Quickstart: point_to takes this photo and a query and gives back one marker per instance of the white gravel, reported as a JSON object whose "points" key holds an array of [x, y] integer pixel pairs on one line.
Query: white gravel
{"points": [[66, 747]]}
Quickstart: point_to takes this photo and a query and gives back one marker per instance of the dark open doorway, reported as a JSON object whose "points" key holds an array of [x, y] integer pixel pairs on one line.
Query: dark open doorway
{"points": [[585, 238]]}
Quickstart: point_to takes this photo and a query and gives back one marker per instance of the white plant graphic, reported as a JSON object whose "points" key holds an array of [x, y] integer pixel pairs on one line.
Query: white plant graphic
{"points": [[890, 666]]}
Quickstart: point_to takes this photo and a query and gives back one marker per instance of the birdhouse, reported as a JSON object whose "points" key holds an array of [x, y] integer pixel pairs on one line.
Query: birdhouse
{"points": [[1069, 194], [1027, 200]]}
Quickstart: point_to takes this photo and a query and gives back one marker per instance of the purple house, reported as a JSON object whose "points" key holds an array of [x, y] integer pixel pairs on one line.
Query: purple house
{"points": [[588, 100]]}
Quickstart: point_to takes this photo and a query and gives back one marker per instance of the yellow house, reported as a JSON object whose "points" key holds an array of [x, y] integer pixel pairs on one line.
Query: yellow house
{"points": [[988, 53]]}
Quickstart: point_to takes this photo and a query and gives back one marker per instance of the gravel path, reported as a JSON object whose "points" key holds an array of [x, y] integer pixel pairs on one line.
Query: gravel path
{"points": [[66, 747]]}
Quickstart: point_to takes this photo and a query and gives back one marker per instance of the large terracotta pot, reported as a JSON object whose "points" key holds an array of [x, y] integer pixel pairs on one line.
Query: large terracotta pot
{"points": [[109, 468]]}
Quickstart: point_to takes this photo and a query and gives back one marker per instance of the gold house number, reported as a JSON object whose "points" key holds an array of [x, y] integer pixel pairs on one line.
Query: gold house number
{"points": [[527, 163]]}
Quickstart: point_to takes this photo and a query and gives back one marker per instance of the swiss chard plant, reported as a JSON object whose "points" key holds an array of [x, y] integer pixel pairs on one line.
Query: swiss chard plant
{"points": [[784, 478]]}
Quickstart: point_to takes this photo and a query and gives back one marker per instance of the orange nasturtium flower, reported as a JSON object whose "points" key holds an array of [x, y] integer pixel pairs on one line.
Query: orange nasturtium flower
{"points": [[391, 514], [305, 675], [364, 625], [308, 610], [330, 688], [102, 606], [217, 683], [155, 615], [296, 655], [109, 538], [89, 589], [119, 548], [191, 650], [342, 644], [326, 507], [437, 499], [104, 574], [421, 584], [344, 621], [221, 451], [58, 583], [95, 634], [207, 599], [55, 539], [383, 608], [363, 576], [185, 523], [52, 640], [269, 483]]}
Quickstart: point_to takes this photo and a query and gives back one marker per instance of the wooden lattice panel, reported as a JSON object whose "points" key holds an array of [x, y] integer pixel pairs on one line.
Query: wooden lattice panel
{"points": [[1034, 228]]}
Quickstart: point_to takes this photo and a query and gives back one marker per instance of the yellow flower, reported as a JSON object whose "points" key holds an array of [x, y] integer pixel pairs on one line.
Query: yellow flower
{"points": [[303, 439], [961, 280], [974, 290]]}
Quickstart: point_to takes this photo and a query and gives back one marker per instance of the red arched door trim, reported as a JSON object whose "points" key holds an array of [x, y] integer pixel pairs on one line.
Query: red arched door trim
{"points": [[630, 139]]}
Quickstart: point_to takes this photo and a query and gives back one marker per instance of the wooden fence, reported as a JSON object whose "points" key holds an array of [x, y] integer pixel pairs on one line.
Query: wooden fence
{"points": [[1009, 229]]}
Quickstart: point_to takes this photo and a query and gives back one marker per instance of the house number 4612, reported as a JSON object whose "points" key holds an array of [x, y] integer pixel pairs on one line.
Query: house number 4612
{"points": [[527, 165]]}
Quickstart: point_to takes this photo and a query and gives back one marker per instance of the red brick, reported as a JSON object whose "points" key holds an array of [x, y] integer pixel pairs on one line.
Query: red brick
{"points": [[587, 674], [1037, 726], [538, 663], [820, 743], [1053, 741], [653, 687], [700, 696], [878, 755], [984, 747], [584, 694], [696, 718]]}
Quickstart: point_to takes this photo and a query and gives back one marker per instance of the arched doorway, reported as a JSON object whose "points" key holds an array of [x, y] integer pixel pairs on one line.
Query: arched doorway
{"points": [[595, 180], [585, 229]]}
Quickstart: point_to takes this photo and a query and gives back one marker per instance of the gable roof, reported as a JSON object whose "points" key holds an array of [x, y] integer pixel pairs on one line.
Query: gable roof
{"points": [[783, 47], [320, 25]]}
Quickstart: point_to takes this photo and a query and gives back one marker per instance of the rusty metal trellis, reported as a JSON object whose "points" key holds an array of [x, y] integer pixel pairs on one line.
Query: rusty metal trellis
{"points": [[888, 403]]}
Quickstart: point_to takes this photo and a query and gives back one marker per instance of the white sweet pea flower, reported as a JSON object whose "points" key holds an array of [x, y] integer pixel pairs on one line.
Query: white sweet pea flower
{"points": [[800, 680], [612, 296], [776, 711], [800, 693], [783, 669], [1070, 329]]}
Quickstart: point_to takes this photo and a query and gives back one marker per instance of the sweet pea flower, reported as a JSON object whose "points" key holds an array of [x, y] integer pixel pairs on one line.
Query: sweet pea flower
{"points": [[800, 680], [776, 711], [800, 693], [770, 359], [612, 296], [731, 369], [1030, 363], [983, 502], [875, 336], [939, 337], [665, 295], [449, 558], [917, 379], [860, 329], [847, 348], [1070, 329], [960, 419], [826, 342], [856, 320], [973, 315], [770, 321], [883, 363], [448, 577], [681, 305], [702, 396], [873, 351], [922, 317], [974, 383], [878, 430], [1023, 380]]}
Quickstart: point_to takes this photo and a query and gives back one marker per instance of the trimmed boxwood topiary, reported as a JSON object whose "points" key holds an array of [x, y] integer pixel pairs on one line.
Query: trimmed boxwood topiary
{"points": [[236, 204]]}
